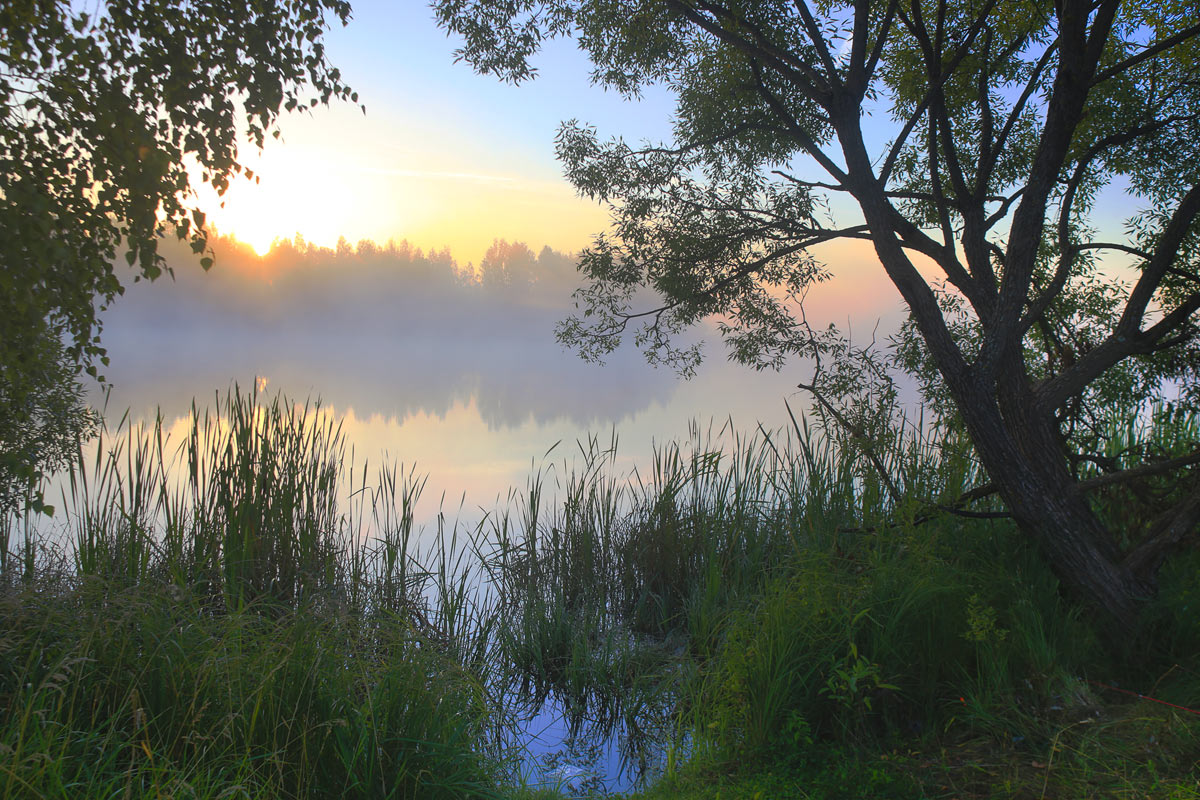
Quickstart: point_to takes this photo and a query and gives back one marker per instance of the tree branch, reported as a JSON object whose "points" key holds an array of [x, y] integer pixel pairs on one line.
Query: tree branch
{"points": [[1053, 392], [1022, 101], [818, 42], [1124, 248], [1150, 52], [1165, 252], [1064, 112], [1166, 532], [802, 76], [798, 133], [1147, 470]]}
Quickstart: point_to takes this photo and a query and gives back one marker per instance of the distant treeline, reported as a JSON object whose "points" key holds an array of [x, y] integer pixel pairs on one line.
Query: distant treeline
{"points": [[368, 284], [387, 329]]}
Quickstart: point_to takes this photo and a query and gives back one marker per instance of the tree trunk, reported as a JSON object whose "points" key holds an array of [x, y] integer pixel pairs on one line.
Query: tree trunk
{"points": [[1017, 441], [1018, 445]]}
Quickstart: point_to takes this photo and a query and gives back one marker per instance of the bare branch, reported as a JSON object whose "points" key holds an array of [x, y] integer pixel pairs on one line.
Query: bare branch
{"points": [[1148, 470], [1005, 204], [885, 29], [889, 163], [1124, 248], [859, 436]]}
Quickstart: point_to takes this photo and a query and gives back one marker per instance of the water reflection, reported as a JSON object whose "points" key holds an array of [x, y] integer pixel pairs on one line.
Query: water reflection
{"points": [[391, 332]]}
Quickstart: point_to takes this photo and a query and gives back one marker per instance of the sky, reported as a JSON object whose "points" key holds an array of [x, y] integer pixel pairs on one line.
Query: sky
{"points": [[441, 158], [444, 157]]}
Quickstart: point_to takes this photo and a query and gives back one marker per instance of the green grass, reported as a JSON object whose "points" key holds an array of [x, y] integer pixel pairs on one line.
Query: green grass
{"points": [[146, 694], [219, 626], [247, 613], [1136, 752], [769, 605]]}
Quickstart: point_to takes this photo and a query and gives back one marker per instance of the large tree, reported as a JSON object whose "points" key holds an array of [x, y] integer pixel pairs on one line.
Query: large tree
{"points": [[971, 139], [111, 114]]}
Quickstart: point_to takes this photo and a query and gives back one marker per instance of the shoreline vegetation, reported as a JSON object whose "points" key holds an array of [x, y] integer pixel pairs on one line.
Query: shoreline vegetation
{"points": [[248, 613]]}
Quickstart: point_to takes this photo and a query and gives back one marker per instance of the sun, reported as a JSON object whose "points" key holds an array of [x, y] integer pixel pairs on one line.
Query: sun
{"points": [[252, 223], [286, 196]]}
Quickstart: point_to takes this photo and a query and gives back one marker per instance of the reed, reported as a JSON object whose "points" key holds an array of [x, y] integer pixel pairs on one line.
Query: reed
{"points": [[249, 608], [227, 624], [768, 595]]}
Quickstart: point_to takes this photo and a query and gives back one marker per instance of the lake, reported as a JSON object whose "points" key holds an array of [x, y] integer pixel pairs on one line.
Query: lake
{"points": [[459, 378]]}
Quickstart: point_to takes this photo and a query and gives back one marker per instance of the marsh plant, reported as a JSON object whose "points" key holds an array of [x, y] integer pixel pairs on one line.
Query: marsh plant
{"points": [[213, 617], [759, 599], [244, 606]]}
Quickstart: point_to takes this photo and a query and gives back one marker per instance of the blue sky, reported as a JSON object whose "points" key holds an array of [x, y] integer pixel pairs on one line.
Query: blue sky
{"points": [[447, 158]]}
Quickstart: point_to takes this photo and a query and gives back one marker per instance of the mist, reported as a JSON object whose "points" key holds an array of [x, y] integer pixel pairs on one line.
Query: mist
{"points": [[389, 330]]}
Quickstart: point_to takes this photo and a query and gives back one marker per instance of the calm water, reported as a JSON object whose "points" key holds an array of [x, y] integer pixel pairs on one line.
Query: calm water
{"points": [[463, 382]]}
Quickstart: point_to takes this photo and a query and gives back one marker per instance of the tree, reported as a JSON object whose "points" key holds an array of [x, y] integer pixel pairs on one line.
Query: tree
{"points": [[1005, 120], [44, 416], [110, 115]]}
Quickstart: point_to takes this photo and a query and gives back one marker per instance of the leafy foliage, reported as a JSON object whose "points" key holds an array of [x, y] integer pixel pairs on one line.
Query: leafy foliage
{"points": [[42, 417], [110, 116]]}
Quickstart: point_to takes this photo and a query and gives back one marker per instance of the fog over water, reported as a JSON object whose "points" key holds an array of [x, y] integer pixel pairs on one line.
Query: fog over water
{"points": [[451, 368]]}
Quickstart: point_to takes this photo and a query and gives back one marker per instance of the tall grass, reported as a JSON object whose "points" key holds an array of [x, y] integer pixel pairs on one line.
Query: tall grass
{"points": [[769, 593], [219, 625], [223, 619], [144, 693], [246, 508]]}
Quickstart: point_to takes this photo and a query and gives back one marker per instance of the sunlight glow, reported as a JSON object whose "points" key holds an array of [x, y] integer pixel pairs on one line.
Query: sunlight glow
{"points": [[337, 174], [289, 195]]}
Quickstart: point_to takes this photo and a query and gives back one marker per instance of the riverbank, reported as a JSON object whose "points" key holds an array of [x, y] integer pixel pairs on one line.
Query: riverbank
{"points": [[1126, 750], [248, 616]]}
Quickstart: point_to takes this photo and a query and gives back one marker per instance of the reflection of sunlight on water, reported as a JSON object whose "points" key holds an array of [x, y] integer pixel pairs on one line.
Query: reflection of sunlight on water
{"points": [[470, 464]]}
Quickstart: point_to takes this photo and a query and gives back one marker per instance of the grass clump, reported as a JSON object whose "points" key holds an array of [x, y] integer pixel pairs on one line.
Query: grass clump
{"points": [[144, 693], [216, 625], [757, 615]]}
